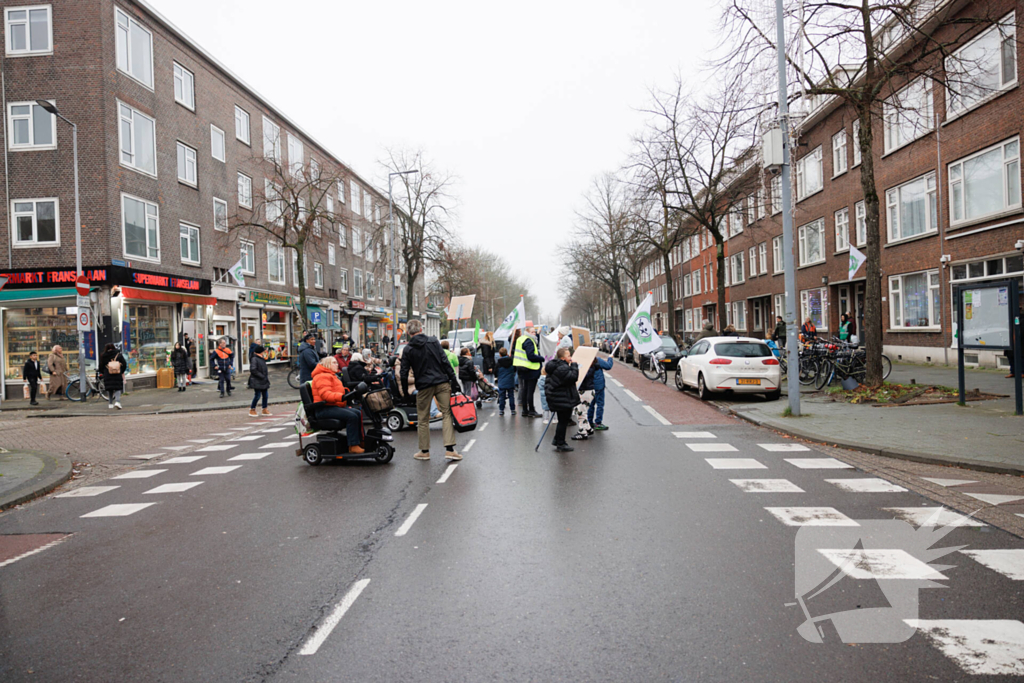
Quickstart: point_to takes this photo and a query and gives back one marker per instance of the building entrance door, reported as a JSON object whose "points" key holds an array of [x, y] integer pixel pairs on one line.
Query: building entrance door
{"points": [[250, 333]]}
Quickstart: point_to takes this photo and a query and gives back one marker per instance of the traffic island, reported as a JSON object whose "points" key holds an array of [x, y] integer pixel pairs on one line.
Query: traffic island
{"points": [[25, 475]]}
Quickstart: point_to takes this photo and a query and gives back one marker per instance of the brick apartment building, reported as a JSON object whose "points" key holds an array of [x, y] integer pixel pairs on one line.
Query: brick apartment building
{"points": [[170, 143], [951, 213]]}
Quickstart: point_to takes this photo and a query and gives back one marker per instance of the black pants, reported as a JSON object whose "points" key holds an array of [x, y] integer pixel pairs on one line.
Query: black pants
{"points": [[527, 387], [33, 391], [564, 418], [225, 380]]}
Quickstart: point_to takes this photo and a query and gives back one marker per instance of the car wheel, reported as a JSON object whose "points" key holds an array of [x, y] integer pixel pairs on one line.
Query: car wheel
{"points": [[773, 395], [702, 388], [679, 380], [311, 454]]}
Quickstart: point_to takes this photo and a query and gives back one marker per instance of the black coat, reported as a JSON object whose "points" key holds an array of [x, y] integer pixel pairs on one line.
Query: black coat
{"points": [[32, 371], [357, 371], [560, 387], [258, 378], [487, 352], [308, 359], [113, 381], [179, 360], [467, 370], [424, 357]]}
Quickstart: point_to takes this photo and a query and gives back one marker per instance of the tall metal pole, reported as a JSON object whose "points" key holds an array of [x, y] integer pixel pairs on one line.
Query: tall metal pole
{"points": [[792, 343], [82, 381], [391, 258]]}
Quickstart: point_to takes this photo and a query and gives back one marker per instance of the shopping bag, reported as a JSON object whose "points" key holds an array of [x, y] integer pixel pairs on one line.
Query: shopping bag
{"points": [[463, 413]]}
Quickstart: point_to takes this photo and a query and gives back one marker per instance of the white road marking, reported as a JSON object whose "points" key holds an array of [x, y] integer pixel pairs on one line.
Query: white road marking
{"points": [[276, 444], [657, 416], [447, 473], [880, 563], [995, 498], [767, 485], [1009, 563], [632, 395], [182, 459], [411, 519], [223, 433], [822, 516], [242, 429], [469, 445], [271, 430], [218, 448], [978, 646], [818, 464], [222, 469], [869, 485], [174, 488], [735, 464], [176, 448], [289, 437], [248, 437], [119, 510], [328, 624], [615, 381], [949, 482], [40, 549], [251, 456], [933, 516], [711, 447], [87, 491], [783, 447], [139, 474], [483, 426], [200, 440], [694, 435], [147, 456]]}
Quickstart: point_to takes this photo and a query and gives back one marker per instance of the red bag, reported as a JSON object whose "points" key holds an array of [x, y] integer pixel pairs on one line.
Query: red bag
{"points": [[463, 413]]}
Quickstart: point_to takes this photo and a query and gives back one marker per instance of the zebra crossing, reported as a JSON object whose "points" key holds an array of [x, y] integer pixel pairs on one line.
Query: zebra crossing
{"points": [[977, 646]]}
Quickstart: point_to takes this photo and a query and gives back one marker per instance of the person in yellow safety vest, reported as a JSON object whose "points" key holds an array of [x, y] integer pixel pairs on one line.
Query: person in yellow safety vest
{"points": [[527, 362]]}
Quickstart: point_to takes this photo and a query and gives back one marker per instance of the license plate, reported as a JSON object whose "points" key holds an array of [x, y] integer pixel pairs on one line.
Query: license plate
{"points": [[755, 382]]}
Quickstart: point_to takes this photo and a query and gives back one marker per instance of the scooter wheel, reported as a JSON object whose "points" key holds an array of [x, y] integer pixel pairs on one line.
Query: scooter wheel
{"points": [[384, 453], [395, 421], [311, 454]]}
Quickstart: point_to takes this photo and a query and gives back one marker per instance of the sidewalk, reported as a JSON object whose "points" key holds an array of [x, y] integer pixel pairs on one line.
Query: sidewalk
{"points": [[984, 435], [25, 475]]}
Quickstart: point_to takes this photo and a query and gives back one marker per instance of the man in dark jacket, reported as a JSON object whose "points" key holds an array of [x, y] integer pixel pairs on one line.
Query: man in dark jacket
{"points": [[779, 334], [223, 362], [308, 357], [506, 382], [259, 380], [435, 378], [32, 374], [708, 331], [562, 394]]}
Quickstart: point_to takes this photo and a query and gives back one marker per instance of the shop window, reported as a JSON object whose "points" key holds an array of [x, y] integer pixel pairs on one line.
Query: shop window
{"points": [[184, 87], [189, 237], [138, 140], [29, 30], [149, 330], [134, 48], [37, 223], [986, 183], [140, 228], [911, 208], [914, 300], [38, 329], [241, 125]]}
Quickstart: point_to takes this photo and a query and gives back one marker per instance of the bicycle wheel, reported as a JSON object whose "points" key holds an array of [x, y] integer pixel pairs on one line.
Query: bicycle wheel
{"points": [[808, 370], [73, 393], [293, 379], [886, 366], [783, 367], [826, 370], [649, 365], [858, 370], [662, 373]]}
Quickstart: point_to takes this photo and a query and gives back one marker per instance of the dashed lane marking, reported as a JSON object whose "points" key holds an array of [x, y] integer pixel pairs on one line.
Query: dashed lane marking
{"points": [[994, 498], [632, 395], [711, 447], [276, 444], [87, 491], [933, 516], [469, 445], [694, 435], [783, 447], [174, 488], [139, 474], [880, 563], [978, 646], [483, 426], [222, 469], [251, 456], [818, 464], [1009, 563], [272, 430], [657, 416], [182, 459], [248, 437], [223, 433], [767, 485], [735, 464], [615, 381], [411, 519], [218, 448], [949, 482], [328, 624], [868, 485], [811, 516], [447, 473], [118, 510]]}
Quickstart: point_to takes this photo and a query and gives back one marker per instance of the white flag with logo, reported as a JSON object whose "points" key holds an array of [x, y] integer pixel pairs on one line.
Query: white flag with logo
{"points": [[512, 322], [641, 330], [236, 273], [857, 259]]}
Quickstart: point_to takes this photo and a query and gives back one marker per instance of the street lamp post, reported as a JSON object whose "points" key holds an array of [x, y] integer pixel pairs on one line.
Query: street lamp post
{"points": [[391, 258], [83, 382]]}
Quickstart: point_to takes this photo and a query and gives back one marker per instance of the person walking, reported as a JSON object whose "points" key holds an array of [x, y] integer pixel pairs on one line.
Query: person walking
{"points": [[527, 362], [563, 396], [252, 347], [506, 382], [308, 357], [223, 363], [487, 353], [326, 387], [707, 331], [190, 350], [259, 379], [467, 373], [112, 367], [595, 413], [179, 361], [435, 378], [779, 333], [450, 355], [32, 373], [57, 366]]}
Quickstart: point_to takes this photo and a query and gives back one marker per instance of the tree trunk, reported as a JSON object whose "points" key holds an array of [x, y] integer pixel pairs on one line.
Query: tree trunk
{"points": [[720, 279], [872, 327], [622, 308], [299, 262]]}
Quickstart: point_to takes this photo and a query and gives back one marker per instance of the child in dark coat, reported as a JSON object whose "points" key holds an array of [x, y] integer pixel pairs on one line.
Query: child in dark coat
{"points": [[506, 381], [33, 374]]}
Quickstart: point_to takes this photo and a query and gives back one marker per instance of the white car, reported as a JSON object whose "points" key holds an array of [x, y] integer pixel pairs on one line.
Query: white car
{"points": [[730, 364]]}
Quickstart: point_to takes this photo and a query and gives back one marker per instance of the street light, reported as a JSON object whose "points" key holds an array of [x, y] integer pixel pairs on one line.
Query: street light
{"points": [[83, 382], [391, 258]]}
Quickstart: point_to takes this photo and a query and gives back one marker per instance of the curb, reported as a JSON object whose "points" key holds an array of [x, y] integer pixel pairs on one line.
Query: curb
{"points": [[168, 410], [898, 454], [56, 470]]}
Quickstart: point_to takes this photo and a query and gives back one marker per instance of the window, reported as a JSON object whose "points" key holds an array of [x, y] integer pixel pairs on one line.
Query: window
{"points": [[998, 267], [134, 49], [357, 241], [275, 263], [737, 268], [371, 286], [776, 195], [839, 153], [217, 143], [755, 307], [842, 217], [696, 282], [808, 175], [186, 164], [331, 255], [686, 285], [36, 223], [318, 275], [189, 236], [986, 183], [814, 305], [342, 239], [762, 254], [751, 209], [138, 140], [272, 203], [367, 201], [343, 276], [739, 315], [220, 215], [861, 217], [271, 140], [357, 283], [856, 143], [184, 87], [812, 242], [688, 318], [761, 208], [778, 260], [341, 191], [914, 300], [752, 260], [295, 155], [29, 30], [907, 115], [295, 269], [141, 228], [314, 169], [982, 67], [244, 191], [780, 305], [31, 127], [248, 257], [241, 124], [354, 193], [910, 208]]}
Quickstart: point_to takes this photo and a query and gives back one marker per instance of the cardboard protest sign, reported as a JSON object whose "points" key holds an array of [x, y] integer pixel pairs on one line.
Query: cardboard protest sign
{"points": [[583, 356], [580, 337], [461, 307]]}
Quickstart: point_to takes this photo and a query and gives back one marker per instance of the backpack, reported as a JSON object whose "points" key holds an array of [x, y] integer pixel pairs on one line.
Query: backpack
{"points": [[114, 367]]}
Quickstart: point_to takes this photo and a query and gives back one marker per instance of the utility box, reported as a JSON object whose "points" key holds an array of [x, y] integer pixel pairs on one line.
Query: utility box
{"points": [[771, 148]]}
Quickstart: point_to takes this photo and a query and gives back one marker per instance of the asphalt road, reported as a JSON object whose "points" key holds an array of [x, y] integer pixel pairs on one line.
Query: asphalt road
{"points": [[632, 558]]}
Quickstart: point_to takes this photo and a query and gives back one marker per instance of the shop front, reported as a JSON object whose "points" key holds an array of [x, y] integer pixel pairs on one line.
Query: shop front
{"points": [[268, 316]]}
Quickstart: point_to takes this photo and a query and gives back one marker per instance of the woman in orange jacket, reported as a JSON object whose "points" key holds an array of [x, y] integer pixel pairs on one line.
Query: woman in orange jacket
{"points": [[328, 388]]}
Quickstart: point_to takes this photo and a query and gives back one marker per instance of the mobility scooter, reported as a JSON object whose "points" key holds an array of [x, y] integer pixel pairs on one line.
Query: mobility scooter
{"points": [[326, 442]]}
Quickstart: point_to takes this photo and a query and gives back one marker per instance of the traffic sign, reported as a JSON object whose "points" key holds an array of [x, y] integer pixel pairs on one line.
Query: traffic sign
{"points": [[83, 301], [82, 285], [85, 320]]}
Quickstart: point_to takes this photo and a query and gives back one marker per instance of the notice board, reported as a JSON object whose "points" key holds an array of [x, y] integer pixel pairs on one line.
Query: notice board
{"points": [[985, 316]]}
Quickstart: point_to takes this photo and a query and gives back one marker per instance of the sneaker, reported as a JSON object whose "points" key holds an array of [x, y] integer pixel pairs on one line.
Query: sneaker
{"points": [[252, 413], [579, 436], [600, 428], [501, 413], [110, 406], [420, 455], [117, 405], [356, 450], [513, 412], [547, 414], [266, 412], [452, 455]]}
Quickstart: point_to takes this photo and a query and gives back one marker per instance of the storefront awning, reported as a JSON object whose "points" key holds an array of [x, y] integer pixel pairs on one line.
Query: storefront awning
{"points": [[168, 297], [25, 294], [316, 315]]}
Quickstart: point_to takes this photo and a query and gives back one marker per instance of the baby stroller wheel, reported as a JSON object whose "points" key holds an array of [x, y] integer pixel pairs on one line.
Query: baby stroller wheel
{"points": [[395, 421], [384, 453], [479, 404], [311, 454]]}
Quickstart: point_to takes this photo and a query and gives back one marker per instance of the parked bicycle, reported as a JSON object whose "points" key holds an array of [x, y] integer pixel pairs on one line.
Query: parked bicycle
{"points": [[74, 391], [293, 376], [653, 368]]}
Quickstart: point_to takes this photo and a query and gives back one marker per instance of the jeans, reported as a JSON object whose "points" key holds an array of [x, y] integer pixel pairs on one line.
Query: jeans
{"points": [[596, 408], [511, 394], [353, 419], [543, 397], [526, 388], [115, 396], [182, 380], [225, 379], [443, 393], [564, 418], [256, 397]]}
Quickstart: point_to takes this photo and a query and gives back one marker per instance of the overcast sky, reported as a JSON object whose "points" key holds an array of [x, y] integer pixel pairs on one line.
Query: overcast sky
{"points": [[526, 103]]}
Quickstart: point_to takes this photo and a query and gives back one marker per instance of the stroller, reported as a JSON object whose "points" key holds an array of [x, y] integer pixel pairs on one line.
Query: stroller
{"points": [[485, 390], [403, 413]]}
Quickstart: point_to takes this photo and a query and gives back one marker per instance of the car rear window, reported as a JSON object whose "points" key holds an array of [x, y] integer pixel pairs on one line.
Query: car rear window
{"points": [[742, 350]]}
